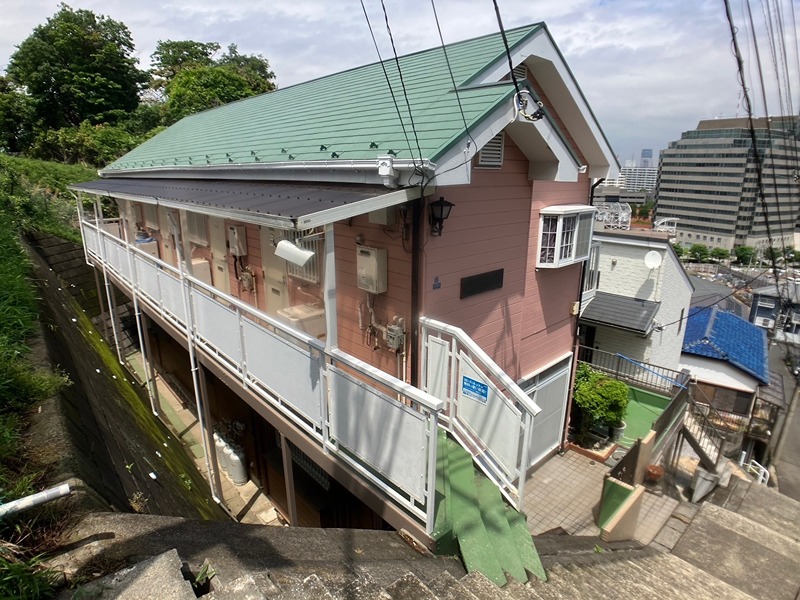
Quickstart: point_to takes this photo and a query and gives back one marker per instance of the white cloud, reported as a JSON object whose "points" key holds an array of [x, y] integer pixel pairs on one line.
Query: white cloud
{"points": [[650, 70]]}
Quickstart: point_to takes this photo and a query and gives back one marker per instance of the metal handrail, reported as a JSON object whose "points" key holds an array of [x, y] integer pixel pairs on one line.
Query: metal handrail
{"points": [[522, 406], [417, 400], [622, 367]]}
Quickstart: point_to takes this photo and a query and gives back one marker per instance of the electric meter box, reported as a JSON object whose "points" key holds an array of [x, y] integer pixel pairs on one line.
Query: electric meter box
{"points": [[371, 269], [237, 240]]}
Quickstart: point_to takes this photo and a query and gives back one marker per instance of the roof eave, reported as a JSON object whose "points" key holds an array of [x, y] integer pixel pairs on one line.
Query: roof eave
{"points": [[353, 171], [588, 135]]}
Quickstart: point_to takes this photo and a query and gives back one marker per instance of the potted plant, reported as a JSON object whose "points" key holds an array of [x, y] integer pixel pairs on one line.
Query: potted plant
{"points": [[601, 400]]}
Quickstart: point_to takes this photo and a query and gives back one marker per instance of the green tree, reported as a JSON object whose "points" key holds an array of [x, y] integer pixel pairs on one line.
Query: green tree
{"points": [[719, 254], [771, 254], [87, 144], [744, 254], [16, 118], [254, 68], [698, 252], [77, 66], [193, 90], [172, 56], [679, 250]]}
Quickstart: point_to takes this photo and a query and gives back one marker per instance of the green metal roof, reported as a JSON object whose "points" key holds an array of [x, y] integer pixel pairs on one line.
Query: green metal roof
{"points": [[351, 114]]}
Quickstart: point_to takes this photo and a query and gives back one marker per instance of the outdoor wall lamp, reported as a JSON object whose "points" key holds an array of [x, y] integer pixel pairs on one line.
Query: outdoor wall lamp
{"points": [[439, 211]]}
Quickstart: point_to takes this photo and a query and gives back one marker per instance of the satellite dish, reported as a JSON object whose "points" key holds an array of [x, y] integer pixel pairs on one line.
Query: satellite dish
{"points": [[652, 260]]}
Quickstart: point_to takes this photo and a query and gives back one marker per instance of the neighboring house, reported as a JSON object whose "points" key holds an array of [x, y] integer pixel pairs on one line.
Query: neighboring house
{"points": [[728, 359], [303, 284], [709, 293], [635, 299], [778, 313]]}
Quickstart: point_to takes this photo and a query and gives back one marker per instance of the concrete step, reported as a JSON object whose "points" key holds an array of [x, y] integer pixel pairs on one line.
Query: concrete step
{"points": [[482, 588], [447, 587], [748, 555], [772, 509], [409, 587], [161, 572]]}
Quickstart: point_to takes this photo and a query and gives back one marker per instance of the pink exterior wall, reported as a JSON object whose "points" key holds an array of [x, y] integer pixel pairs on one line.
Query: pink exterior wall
{"points": [[395, 302], [495, 225]]}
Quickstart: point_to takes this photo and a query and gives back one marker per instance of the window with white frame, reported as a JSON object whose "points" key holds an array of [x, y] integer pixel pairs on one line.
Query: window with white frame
{"points": [[591, 279], [197, 228], [565, 235]]}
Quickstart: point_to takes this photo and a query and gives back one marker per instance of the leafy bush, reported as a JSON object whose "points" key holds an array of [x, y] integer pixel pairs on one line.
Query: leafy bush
{"points": [[600, 398]]}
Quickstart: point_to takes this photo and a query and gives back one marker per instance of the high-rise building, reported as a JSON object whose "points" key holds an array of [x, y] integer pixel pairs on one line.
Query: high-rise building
{"points": [[708, 180], [647, 158], [633, 178]]}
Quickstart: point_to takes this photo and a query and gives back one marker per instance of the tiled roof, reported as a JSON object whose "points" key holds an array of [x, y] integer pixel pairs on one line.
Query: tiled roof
{"points": [[621, 312], [345, 116], [724, 336]]}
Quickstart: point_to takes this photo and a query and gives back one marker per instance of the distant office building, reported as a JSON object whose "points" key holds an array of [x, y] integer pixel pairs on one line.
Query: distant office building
{"points": [[647, 158], [708, 180], [640, 178], [634, 178]]}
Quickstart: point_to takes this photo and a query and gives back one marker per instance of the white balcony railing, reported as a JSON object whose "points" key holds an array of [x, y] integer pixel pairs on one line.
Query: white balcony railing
{"points": [[489, 414], [382, 427]]}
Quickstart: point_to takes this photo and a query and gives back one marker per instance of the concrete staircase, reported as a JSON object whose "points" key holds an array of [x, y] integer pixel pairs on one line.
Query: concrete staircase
{"points": [[252, 562], [702, 436], [748, 549]]}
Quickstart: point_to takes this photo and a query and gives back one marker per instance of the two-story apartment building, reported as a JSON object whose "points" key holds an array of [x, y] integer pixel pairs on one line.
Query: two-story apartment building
{"points": [[346, 266]]}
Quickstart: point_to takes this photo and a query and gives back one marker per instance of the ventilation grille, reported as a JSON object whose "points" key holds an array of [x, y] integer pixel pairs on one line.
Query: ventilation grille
{"points": [[521, 72], [491, 155], [310, 271]]}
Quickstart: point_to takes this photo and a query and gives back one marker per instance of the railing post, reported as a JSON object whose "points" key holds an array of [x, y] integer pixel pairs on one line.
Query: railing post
{"points": [[433, 437], [523, 470], [242, 349]]}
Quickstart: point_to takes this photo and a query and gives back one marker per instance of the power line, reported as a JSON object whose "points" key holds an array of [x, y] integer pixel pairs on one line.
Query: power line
{"points": [[403, 85], [452, 78], [388, 83]]}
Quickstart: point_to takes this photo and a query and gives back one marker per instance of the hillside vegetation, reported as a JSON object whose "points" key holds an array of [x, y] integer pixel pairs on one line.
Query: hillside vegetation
{"points": [[33, 195]]}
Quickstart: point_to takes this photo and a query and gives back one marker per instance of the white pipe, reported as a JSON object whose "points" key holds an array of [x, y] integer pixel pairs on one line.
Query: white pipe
{"points": [[137, 313], [98, 210], [187, 305], [27, 502]]}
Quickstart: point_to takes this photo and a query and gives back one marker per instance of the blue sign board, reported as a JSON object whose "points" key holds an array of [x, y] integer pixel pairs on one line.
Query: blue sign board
{"points": [[477, 390]]}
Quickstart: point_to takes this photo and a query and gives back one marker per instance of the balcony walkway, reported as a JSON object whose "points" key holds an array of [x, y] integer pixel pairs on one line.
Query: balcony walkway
{"points": [[247, 503]]}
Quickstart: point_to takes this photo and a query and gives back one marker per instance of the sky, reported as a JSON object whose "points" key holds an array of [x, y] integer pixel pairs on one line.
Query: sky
{"points": [[650, 69]]}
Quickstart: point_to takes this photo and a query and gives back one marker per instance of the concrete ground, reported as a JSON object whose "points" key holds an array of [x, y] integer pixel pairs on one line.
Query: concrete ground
{"points": [[565, 492], [246, 503], [788, 465]]}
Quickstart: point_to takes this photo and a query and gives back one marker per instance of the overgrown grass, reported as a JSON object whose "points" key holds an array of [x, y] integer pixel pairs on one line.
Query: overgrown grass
{"points": [[24, 577], [34, 195], [29, 534]]}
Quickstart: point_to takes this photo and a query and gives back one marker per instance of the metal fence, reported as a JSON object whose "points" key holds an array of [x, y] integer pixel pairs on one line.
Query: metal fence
{"points": [[385, 429], [658, 379]]}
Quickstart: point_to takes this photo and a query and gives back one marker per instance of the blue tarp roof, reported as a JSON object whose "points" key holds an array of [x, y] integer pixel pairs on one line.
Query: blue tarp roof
{"points": [[724, 336]]}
